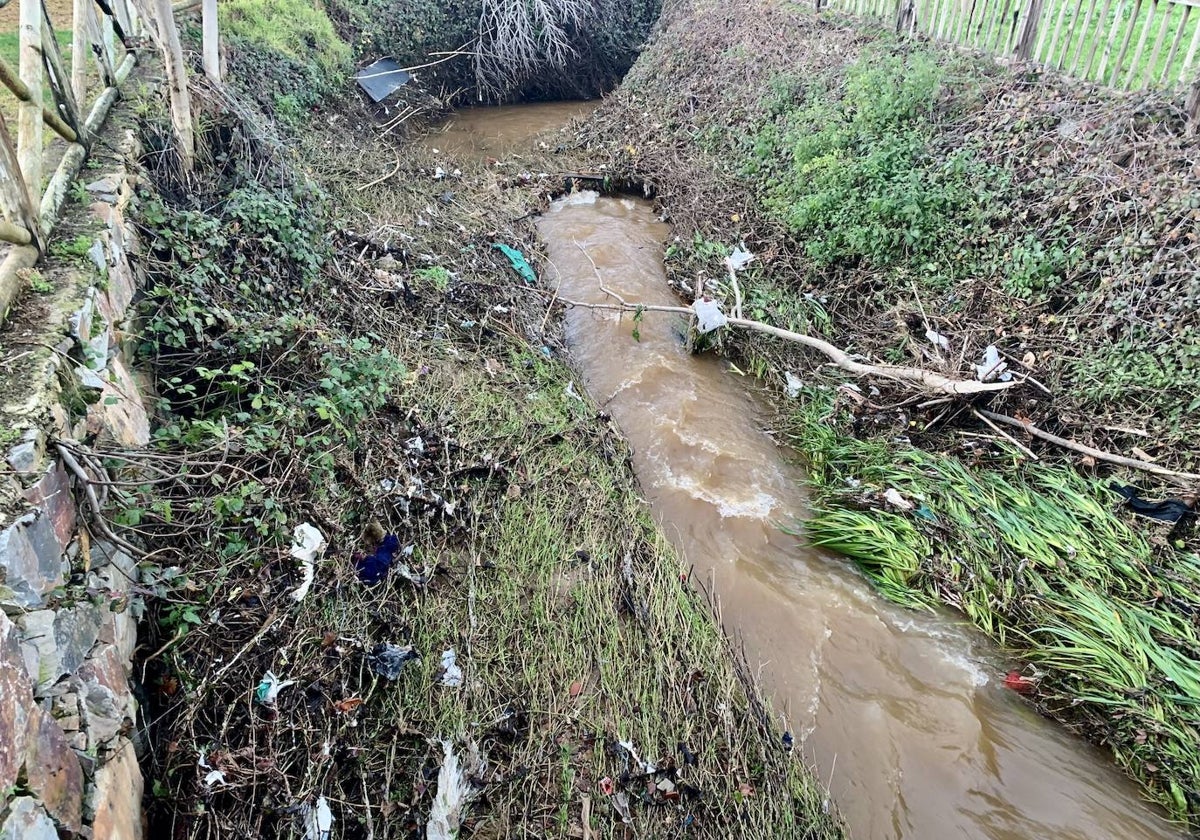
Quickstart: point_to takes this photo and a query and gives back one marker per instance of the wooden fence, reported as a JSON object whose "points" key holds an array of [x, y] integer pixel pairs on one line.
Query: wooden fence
{"points": [[1127, 44], [71, 99]]}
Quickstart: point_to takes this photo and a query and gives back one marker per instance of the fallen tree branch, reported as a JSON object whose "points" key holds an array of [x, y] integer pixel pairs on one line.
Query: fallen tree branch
{"points": [[1098, 454], [909, 375]]}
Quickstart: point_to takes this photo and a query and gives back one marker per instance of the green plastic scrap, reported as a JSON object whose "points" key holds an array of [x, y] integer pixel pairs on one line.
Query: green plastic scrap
{"points": [[519, 263]]}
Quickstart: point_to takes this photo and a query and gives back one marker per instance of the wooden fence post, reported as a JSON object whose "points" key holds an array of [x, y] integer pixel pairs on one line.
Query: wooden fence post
{"points": [[29, 112], [177, 81], [1029, 31], [1193, 106], [212, 43], [15, 203], [80, 30]]}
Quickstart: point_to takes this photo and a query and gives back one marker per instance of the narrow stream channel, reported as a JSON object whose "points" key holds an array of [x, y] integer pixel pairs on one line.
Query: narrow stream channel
{"points": [[901, 714]]}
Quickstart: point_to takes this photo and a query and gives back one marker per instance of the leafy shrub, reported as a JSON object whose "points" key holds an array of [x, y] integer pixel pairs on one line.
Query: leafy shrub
{"points": [[231, 320], [1035, 267], [854, 175]]}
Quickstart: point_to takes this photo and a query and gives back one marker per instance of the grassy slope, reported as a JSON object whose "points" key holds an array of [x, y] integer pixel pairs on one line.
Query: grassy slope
{"points": [[884, 188], [566, 610]]}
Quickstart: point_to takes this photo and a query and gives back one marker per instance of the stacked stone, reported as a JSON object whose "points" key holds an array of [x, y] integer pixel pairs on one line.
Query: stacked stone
{"points": [[68, 716]]}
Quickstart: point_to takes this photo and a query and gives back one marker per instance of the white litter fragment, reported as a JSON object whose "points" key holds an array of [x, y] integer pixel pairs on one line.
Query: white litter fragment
{"points": [[708, 315], [269, 688], [621, 802], [307, 545], [794, 384], [893, 498], [937, 339], [439, 174], [318, 821], [992, 367], [451, 800], [740, 258], [452, 675], [571, 392], [213, 777], [637, 760]]}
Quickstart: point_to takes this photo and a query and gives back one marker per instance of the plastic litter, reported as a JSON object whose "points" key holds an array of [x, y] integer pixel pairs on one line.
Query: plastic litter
{"points": [[1168, 510], [621, 803], [794, 384], [740, 258], [708, 315], [317, 821], [213, 777], [518, 262], [571, 392], [992, 367], [381, 79], [374, 567], [937, 339], [452, 675], [269, 688], [451, 800], [893, 498], [388, 660], [307, 545], [1022, 685]]}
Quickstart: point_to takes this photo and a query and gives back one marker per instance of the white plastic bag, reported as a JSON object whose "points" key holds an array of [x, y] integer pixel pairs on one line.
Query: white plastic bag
{"points": [[709, 316]]}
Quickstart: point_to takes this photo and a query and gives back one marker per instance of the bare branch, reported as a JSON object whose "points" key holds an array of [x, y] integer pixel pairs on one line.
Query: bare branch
{"points": [[1098, 454], [518, 38], [927, 379]]}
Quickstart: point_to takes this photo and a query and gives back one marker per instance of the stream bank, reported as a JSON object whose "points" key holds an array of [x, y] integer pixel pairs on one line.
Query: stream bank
{"points": [[967, 206], [339, 344]]}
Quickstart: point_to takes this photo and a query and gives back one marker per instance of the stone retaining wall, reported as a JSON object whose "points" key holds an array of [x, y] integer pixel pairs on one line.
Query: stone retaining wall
{"points": [[68, 598]]}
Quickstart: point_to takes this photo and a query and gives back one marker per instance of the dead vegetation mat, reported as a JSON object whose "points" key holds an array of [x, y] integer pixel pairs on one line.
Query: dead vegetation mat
{"points": [[337, 343]]}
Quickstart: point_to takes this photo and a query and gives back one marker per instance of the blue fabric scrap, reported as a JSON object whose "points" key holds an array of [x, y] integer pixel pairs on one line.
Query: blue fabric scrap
{"points": [[374, 567]]}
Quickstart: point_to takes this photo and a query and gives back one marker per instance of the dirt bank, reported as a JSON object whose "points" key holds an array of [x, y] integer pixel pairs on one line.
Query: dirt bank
{"points": [[915, 207]]}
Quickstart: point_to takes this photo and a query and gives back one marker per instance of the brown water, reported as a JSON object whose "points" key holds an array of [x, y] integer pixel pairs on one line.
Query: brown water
{"points": [[902, 714], [498, 132]]}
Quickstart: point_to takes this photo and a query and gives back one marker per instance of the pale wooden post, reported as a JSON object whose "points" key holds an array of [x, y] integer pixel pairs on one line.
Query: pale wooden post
{"points": [[80, 43], [1193, 106], [29, 112], [1170, 62], [59, 81], [177, 82], [212, 43], [14, 196], [1190, 62], [1083, 36]]}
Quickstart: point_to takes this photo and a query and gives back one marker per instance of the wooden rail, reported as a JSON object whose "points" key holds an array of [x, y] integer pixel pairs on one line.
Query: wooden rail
{"points": [[1128, 44], [72, 100]]}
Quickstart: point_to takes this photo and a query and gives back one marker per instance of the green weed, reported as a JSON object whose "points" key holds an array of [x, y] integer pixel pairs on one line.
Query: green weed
{"points": [[853, 174], [39, 284], [1035, 558]]}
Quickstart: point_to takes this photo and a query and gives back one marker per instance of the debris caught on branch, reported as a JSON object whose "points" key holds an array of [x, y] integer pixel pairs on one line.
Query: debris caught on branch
{"points": [[919, 377]]}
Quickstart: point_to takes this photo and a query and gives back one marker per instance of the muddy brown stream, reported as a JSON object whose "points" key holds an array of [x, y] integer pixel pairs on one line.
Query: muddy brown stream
{"points": [[901, 714]]}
